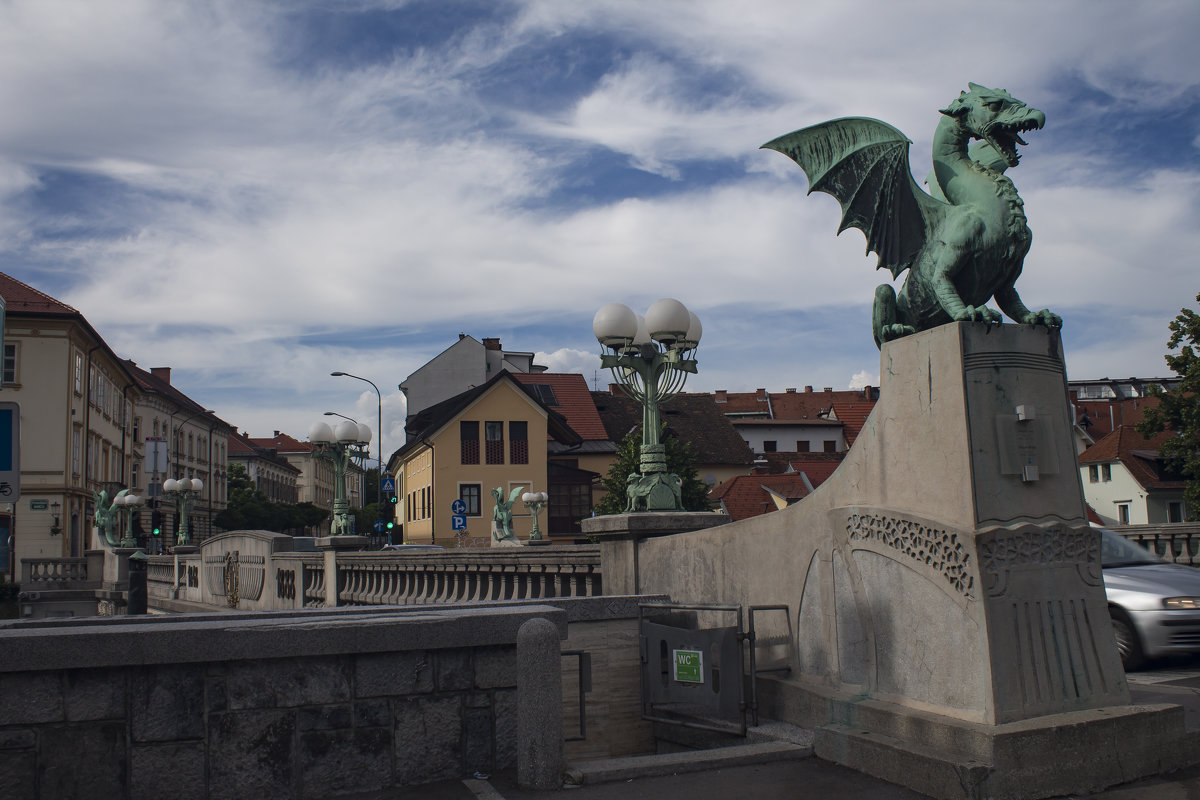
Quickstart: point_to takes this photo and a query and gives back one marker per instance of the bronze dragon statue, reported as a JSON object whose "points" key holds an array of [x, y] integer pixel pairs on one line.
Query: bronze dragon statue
{"points": [[963, 244]]}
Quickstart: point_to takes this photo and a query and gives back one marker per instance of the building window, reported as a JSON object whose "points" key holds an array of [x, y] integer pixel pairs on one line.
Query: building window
{"points": [[1106, 472], [770, 446], [1174, 512], [137, 429], [79, 373], [468, 434], [470, 494], [1093, 473], [518, 434], [1123, 513], [830, 446], [494, 435], [75, 446], [801, 446], [10, 363], [133, 475]]}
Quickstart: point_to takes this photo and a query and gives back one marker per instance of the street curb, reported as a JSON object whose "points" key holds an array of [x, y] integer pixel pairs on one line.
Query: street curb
{"points": [[604, 770]]}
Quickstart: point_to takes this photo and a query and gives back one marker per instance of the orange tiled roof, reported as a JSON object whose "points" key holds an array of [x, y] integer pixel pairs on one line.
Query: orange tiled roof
{"points": [[747, 496], [574, 401], [1100, 417], [282, 443], [1137, 453], [852, 415], [24, 298]]}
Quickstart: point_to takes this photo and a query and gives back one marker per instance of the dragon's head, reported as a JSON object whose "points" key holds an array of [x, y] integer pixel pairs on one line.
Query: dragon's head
{"points": [[996, 117]]}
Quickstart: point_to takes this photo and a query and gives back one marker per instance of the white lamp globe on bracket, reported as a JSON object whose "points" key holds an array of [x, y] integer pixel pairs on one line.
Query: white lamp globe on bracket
{"points": [[668, 320], [615, 325], [320, 433]]}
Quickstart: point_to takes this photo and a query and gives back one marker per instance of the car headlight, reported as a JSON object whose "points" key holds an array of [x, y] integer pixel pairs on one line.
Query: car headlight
{"points": [[1181, 602]]}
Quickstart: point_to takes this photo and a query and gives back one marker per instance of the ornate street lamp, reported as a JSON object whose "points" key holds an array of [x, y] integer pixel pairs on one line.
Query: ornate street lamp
{"points": [[338, 446], [651, 357], [535, 502], [183, 494], [379, 446], [130, 505]]}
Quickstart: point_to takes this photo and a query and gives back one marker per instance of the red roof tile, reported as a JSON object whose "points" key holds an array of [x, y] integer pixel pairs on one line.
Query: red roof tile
{"points": [[21, 297], [1100, 417], [282, 443], [852, 415], [747, 496], [574, 401], [1137, 453]]}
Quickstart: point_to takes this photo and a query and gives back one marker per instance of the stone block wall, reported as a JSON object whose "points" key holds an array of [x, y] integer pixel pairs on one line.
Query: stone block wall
{"points": [[296, 706]]}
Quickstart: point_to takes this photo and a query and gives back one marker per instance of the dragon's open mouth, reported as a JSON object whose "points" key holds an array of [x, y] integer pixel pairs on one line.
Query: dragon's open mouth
{"points": [[1005, 136]]}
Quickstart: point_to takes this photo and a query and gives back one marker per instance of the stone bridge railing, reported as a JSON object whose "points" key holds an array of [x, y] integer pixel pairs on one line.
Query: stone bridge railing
{"points": [[257, 570], [1177, 542]]}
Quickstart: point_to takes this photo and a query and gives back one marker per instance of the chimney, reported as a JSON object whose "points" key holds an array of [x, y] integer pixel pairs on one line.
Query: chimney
{"points": [[829, 388], [162, 373], [276, 434], [721, 396], [790, 390], [461, 336], [491, 344], [808, 389], [760, 395]]}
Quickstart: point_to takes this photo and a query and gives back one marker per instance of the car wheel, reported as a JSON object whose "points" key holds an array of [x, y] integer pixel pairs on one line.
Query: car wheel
{"points": [[1128, 644]]}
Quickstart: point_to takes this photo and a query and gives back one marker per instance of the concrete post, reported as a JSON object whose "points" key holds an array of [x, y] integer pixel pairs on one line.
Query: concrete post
{"points": [[539, 706]]}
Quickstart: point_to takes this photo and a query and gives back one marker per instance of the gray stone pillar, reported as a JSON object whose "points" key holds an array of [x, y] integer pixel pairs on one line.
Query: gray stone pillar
{"points": [[539, 706], [620, 535]]}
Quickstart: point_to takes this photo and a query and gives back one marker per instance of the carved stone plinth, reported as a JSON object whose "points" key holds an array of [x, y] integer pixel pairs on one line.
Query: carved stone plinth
{"points": [[944, 572]]}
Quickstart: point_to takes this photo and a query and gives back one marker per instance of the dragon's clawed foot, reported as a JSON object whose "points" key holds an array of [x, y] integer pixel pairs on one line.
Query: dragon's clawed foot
{"points": [[978, 314], [895, 331], [1043, 317]]}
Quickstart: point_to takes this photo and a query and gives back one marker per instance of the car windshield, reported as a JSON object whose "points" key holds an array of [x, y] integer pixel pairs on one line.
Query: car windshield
{"points": [[1117, 551]]}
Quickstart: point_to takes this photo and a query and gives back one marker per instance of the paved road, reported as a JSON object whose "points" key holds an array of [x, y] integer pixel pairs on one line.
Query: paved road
{"points": [[813, 779]]}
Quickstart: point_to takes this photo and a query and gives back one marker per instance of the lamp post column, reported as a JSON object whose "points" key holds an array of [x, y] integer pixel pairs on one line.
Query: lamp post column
{"points": [[651, 357]]}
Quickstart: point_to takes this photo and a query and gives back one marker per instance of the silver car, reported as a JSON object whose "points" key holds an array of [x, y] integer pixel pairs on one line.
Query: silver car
{"points": [[1154, 605]]}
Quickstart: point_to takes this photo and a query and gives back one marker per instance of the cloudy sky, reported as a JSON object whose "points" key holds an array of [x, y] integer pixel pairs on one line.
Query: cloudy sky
{"points": [[257, 193]]}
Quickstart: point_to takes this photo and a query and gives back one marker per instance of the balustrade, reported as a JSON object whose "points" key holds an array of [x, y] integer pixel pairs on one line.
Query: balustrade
{"points": [[468, 575], [1177, 543], [53, 573]]}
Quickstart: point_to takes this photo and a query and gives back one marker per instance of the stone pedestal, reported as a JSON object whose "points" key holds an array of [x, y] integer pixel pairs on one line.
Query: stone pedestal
{"points": [[944, 585], [621, 534], [332, 545]]}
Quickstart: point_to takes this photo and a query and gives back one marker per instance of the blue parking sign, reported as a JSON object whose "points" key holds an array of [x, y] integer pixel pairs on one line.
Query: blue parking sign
{"points": [[458, 522]]}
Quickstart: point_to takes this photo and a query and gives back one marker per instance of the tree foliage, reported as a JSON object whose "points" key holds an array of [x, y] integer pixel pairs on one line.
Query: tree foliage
{"points": [[681, 460], [250, 509], [1179, 409]]}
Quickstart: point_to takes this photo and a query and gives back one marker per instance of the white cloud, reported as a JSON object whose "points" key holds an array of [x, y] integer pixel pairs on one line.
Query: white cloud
{"points": [[248, 213]]}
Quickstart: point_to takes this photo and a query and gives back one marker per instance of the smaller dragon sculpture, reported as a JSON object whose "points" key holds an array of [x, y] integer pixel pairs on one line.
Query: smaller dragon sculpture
{"points": [[963, 243]]}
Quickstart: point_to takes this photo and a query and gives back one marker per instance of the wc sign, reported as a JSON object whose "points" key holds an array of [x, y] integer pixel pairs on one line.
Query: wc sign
{"points": [[688, 666]]}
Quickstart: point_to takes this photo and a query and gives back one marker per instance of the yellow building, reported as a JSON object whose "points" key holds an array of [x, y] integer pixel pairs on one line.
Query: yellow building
{"points": [[491, 437]]}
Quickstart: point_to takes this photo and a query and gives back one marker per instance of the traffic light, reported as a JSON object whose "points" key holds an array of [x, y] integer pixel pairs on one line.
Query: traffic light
{"points": [[156, 523], [390, 525]]}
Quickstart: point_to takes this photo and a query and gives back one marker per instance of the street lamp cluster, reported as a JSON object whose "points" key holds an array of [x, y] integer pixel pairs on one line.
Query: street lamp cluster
{"points": [[338, 445], [535, 502], [183, 493], [651, 358]]}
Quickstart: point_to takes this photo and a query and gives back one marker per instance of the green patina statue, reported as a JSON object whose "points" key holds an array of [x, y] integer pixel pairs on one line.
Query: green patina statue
{"points": [[963, 244], [105, 516], [502, 513]]}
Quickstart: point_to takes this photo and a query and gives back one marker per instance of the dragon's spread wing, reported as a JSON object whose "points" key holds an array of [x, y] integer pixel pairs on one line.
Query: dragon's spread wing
{"points": [[514, 494], [864, 164]]}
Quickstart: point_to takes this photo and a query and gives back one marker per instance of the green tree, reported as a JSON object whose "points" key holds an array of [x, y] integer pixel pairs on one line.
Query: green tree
{"points": [[681, 460], [1179, 409], [250, 509]]}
